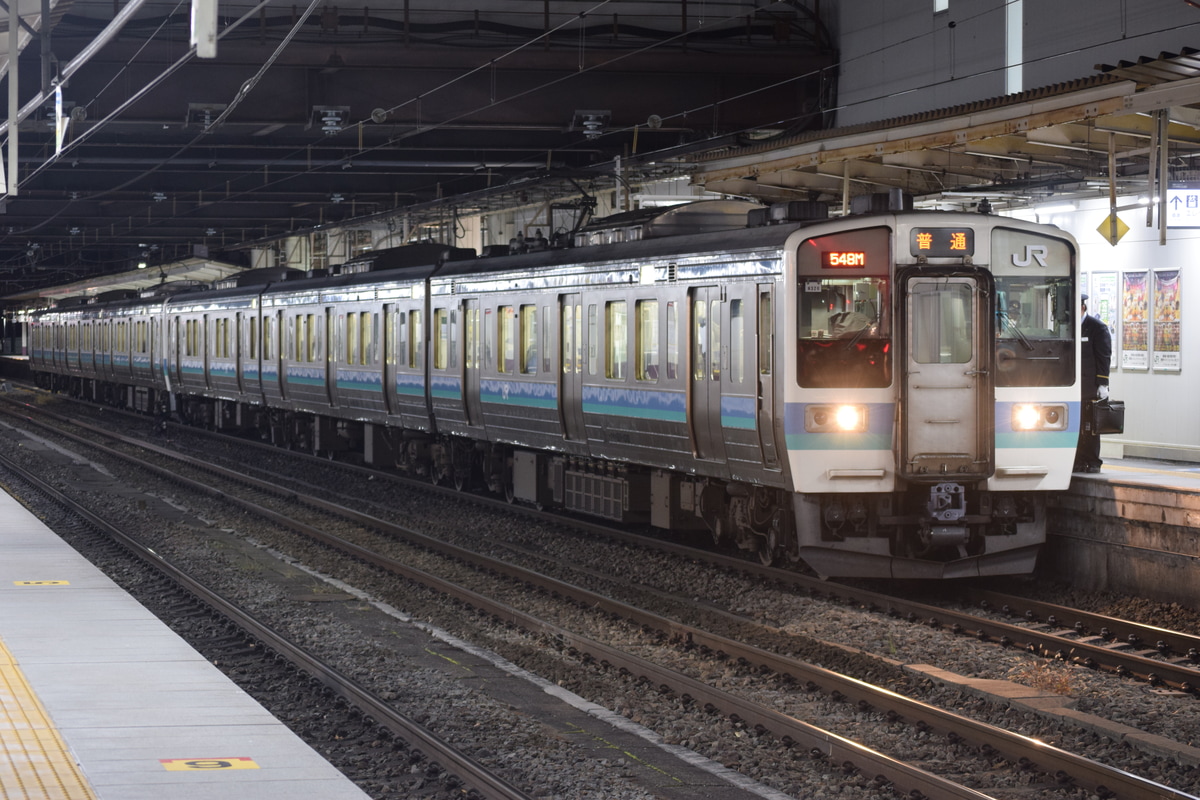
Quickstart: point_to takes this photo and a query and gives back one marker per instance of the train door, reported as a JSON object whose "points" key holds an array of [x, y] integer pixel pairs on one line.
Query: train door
{"points": [[472, 361], [947, 390], [570, 394], [765, 358], [708, 439]]}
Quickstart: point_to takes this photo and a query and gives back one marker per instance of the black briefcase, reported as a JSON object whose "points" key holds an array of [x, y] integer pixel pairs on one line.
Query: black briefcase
{"points": [[1105, 416]]}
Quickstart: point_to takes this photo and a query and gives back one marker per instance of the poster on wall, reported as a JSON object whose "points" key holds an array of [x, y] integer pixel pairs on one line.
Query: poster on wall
{"points": [[1167, 354], [1104, 299], [1135, 322]]}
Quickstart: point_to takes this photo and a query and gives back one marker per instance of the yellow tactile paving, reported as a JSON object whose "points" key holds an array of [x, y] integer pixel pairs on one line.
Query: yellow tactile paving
{"points": [[34, 762]]}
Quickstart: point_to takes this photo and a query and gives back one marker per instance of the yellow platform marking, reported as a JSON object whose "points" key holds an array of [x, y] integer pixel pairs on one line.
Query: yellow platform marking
{"points": [[207, 764], [34, 761], [41, 583]]}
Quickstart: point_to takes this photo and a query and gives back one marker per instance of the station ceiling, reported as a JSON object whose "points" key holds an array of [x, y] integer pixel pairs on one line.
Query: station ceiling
{"points": [[313, 115]]}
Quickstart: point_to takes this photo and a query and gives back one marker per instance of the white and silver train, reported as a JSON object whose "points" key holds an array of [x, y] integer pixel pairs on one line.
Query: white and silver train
{"points": [[883, 395]]}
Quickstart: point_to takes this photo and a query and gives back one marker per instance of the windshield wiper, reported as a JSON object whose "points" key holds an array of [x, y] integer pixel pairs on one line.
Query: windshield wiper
{"points": [[1008, 323]]}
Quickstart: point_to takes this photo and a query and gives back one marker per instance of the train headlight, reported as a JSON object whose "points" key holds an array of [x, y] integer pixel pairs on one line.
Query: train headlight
{"points": [[835, 419], [1037, 417]]}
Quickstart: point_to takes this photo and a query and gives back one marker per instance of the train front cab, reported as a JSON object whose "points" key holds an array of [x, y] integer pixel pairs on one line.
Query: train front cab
{"points": [[931, 459]]}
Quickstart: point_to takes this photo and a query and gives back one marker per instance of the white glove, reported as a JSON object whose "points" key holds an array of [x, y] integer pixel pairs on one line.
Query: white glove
{"points": [[1102, 392]]}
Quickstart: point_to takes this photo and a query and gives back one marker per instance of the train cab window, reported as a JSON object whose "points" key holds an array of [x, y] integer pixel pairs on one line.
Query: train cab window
{"points": [[844, 332], [617, 349], [646, 338], [1035, 331], [529, 339]]}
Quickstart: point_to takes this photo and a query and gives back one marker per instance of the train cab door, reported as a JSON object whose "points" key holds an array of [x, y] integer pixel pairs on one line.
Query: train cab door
{"points": [[765, 358], [472, 361], [570, 395], [708, 440], [947, 406]]}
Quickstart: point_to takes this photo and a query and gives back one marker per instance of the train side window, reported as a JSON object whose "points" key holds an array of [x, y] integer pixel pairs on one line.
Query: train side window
{"points": [[350, 323], [593, 342], [699, 341], [266, 338], [415, 337], [672, 342], [508, 340], [737, 343], [452, 339], [489, 339], [766, 341], [370, 335], [296, 338], [568, 339], [529, 339], [547, 341], [401, 339], [617, 330], [646, 334], [441, 338], [714, 340], [314, 339]]}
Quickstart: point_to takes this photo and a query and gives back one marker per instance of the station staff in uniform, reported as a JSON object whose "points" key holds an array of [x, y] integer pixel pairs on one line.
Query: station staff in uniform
{"points": [[1097, 356]]}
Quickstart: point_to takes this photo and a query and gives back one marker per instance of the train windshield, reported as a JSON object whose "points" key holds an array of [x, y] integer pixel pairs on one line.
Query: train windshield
{"points": [[844, 336], [1035, 309], [1034, 332]]}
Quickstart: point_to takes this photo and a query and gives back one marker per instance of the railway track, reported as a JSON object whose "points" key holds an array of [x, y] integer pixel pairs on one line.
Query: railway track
{"points": [[1064, 768], [469, 773]]}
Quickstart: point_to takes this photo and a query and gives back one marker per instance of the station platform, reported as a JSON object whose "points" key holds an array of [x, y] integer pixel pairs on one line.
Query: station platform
{"points": [[1132, 528], [100, 700]]}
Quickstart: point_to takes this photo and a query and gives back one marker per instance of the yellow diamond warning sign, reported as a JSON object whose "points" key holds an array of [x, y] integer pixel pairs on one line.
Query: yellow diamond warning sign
{"points": [[207, 764], [1113, 228]]}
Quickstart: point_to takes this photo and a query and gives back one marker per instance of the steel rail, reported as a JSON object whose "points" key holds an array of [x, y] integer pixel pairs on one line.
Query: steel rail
{"points": [[470, 772]]}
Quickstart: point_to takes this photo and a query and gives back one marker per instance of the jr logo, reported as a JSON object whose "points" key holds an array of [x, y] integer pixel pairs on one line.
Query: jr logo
{"points": [[1033, 252]]}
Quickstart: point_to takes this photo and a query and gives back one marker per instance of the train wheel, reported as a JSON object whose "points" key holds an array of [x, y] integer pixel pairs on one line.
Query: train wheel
{"points": [[768, 546], [460, 479], [720, 530]]}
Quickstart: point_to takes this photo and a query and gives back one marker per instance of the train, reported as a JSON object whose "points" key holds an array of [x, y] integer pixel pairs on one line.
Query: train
{"points": [[886, 394]]}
